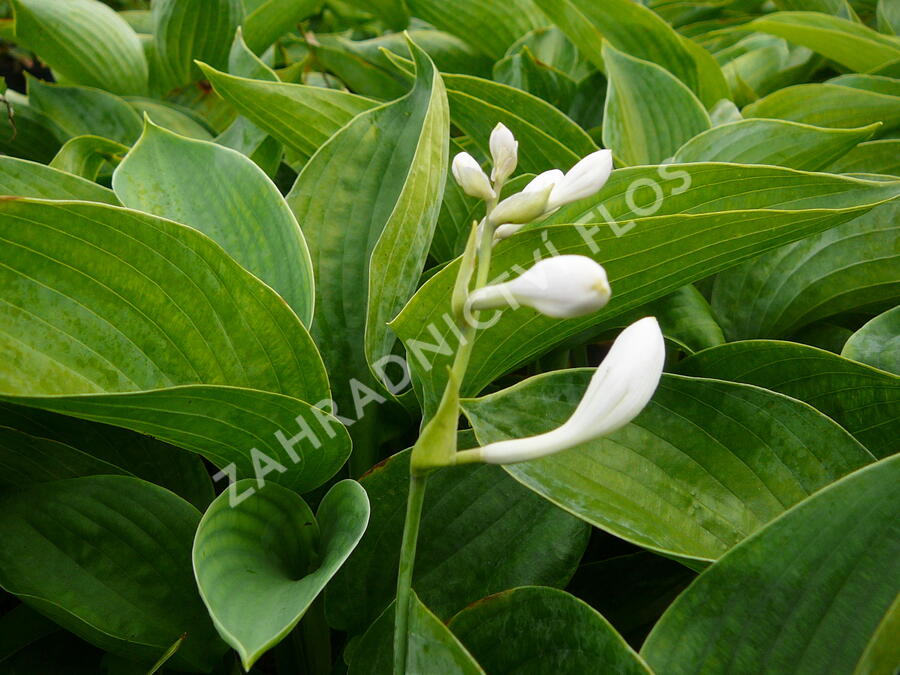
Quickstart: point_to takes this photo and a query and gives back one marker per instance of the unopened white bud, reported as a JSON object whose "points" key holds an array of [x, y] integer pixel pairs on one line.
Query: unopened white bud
{"points": [[582, 180], [561, 287], [522, 207], [504, 153], [618, 391], [471, 178]]}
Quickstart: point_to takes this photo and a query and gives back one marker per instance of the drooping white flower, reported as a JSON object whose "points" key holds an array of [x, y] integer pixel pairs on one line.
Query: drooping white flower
{"points": [[562, 287], [522, 207], [620, 388], [471, 178], [504, 153]]}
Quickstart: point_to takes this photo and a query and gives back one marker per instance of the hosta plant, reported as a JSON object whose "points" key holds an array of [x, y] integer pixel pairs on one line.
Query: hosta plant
{"points": [[415, 336]]}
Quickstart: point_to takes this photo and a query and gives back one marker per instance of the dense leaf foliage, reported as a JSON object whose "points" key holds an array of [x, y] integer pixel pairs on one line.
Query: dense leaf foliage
{"points": [[250, 255]]}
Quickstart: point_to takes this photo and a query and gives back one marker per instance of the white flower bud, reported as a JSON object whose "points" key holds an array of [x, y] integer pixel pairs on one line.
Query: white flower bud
{"points": [[504, 152], [561, 287], [471, 178], [507, 230], [620, 388], [543, 180], [582, 180], [522, 207]]}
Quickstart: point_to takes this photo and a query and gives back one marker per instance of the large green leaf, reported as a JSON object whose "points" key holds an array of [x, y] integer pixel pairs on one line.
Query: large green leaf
{"points": [[849, 43], [431, 647], [21, 178], [27, 133], [490, 27], [851, 267], [367, 202], [108, 558], [865, 401], [260, 563], [649, 112], [83, 111], [703, 466], [829, 105], [26, 459], [239, 207], [543, 630], [639, 32], [125, 318], [300, 116], [474, 519], [872, 157], [877, 343], [710, 217], [185, 30], [85, 42], [804, 595], [270, 19], [85, 156], [175, 469], [791, 144]]}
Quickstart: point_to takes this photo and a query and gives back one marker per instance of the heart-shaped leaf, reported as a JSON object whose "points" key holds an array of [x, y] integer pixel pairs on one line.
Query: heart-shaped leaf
{"points": [[702, 467], [169, 336], [240, 207], [807, 594], [261, 562]]}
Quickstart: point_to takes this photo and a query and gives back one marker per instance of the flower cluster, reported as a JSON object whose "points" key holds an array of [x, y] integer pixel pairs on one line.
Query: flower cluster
{"points": [[562, 287]]}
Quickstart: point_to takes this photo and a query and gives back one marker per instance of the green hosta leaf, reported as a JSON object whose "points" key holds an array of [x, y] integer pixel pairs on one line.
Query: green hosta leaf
{"points": [[522, 70], [474, 519], [270, 19], [130, 453], [804, 595], [545, 629], [639, 32], [835, 7], [706, 464], [851, 267], [699, 229], [877, 343], [185, 30], [336, 55], [83, 111], [649, 112], [121, 317], [26, 459], [552, 47], [449, 53], [846, 42], [20, 628], [871, 157], [393, 12], [488, 27], [829, 105], [260, 563], [173, 117], [85, 42], [26, 133], [368, 201], [85, 155], [888, 86], [431, 646], [798, 146], [300, 116], [108, 558], [239, 207], [888, 15], [865, 401], [22, 178], [547, 138]]}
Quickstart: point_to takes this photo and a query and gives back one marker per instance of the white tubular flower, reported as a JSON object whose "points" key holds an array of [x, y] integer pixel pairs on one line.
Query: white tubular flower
{"points": [[620, 388], [471, 178], [504, 152], [522, 207], [561, 287], [582, 180]]}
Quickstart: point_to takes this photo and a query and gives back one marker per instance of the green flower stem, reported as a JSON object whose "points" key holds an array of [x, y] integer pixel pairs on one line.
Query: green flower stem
{"points": [[417, 480], [404, 577]]}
